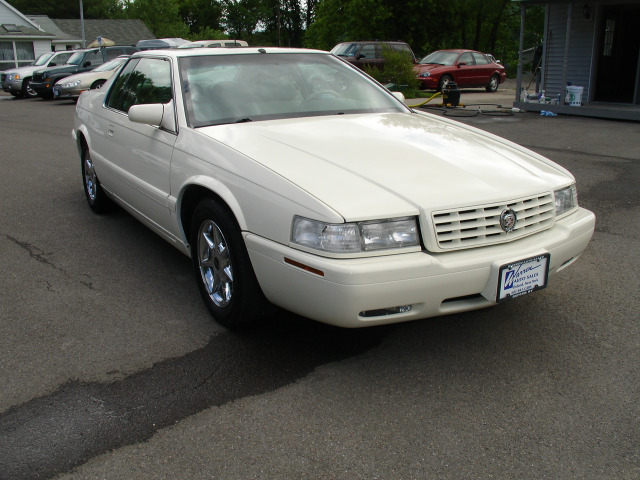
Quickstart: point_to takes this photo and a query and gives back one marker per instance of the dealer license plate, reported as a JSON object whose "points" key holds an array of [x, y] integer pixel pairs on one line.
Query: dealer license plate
{"points": [[522, 277]]}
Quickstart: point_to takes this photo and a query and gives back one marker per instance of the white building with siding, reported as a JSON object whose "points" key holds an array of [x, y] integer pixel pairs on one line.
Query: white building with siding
{"points": [[592, 45], [21, 40]]}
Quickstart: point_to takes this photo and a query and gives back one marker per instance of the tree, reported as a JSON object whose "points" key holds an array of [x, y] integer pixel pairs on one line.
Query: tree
{"points": [[202, 16], [162, 17], [69, 8], [242, 17]]}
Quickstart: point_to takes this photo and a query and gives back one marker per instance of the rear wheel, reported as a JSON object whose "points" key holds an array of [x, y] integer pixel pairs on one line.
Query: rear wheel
{"points": [[222, 267], [493, 83]]}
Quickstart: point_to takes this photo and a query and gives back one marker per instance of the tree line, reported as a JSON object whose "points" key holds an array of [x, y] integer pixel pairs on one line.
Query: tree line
{"points": [[491, 26]]}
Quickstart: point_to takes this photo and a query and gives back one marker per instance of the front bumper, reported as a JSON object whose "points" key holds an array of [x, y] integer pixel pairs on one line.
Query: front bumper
{"points": [[60, 92], [43, 88], [350, 291]]}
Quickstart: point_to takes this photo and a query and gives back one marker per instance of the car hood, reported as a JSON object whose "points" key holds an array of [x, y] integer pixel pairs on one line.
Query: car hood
{"points": [[87, 76], [379, 165], [432, 67], [24, 70]]}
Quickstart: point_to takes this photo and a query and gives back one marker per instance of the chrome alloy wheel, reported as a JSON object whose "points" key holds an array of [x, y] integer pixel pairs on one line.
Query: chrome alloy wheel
{"points": [[90, 179], [215, 263]]}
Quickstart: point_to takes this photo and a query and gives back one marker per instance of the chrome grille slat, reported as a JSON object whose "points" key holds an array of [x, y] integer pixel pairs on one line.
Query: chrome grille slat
{"points": [[472, 227]]}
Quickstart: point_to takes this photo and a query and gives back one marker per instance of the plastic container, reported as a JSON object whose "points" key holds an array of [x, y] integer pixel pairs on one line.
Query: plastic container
{"points": [[573, 97]]}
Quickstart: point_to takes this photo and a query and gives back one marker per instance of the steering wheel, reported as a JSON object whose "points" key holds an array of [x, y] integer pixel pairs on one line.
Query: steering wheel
{"points": [[327, 92]]}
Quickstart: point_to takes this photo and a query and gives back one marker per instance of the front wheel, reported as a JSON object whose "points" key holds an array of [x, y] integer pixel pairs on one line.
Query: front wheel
{"points": [[96, 198], [222, 267], [493, 84], [27, 91], [444, 79]]}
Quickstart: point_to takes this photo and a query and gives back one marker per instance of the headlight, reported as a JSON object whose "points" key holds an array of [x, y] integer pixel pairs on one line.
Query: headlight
{"points": [[355, 237], [566, 199], [425, 74], [71, 84]]}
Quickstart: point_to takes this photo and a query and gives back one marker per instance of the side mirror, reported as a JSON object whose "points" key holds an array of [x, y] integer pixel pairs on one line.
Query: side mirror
{"points": [[150, 114], [399, 96], [86, 64], [53, 64], [462, 64]]}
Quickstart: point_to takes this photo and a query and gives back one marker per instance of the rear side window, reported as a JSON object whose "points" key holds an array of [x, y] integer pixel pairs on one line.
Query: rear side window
{"points": [[113, 53], [143, 81], [480, 59]]}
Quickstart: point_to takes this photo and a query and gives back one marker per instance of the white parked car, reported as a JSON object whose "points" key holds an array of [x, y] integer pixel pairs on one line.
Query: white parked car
{"points": [[289, 176], [18, 80], [229, 43]]}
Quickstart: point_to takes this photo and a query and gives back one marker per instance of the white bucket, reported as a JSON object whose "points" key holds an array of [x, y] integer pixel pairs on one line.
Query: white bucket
{"points": [[573, 98]]}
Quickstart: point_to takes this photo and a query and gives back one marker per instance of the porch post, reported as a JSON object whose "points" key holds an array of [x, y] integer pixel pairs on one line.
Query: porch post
{"points": [[565, 62], [519, 74]]}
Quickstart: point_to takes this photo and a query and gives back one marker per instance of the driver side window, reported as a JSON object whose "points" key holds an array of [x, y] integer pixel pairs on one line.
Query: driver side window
{"points": [[466, 58], [142, 82]]}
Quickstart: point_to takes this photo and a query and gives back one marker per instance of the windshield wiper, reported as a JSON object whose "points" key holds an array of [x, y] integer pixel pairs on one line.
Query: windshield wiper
{"points": [[244, 120]]}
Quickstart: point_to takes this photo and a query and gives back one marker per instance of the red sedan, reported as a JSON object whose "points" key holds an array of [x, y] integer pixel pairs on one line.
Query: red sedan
{"points": [[467, 68]]}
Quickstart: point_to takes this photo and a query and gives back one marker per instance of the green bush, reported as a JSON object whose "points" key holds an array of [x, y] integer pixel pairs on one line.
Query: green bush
{"points": [[398, 70]]}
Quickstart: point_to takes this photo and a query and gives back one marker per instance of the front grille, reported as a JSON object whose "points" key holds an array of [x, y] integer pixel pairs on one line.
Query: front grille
{"points": [[478, 226], [37, 77]]}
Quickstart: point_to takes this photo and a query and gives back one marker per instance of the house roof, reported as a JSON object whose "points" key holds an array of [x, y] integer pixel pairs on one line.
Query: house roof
{"points": [[122, 32], [20, 31], [49, 25], [13, 16]]}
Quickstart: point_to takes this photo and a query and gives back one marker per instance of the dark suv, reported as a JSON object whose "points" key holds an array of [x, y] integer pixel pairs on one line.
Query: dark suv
{"points": [[369, 54], [42, 81]]}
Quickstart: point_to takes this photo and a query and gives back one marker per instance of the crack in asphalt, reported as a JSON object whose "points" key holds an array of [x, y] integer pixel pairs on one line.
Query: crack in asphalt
{"points": [[53, 434], [40, 256]]}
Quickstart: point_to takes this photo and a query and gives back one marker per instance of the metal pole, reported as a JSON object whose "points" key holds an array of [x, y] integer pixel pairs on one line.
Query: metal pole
{"points": [[84, 41]]}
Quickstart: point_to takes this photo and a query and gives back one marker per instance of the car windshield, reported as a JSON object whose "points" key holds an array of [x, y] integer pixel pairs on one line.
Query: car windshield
{"points": [[441, 58], [42, 59], [76, 58], [111, 65], [221, 89], [345, 49]]}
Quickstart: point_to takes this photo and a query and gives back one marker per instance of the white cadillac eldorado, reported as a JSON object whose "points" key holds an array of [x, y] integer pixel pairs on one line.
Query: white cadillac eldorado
{"points": [[292, 178]]}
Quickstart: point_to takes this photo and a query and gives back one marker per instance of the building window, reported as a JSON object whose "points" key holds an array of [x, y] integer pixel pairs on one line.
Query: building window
{"points": [[15, 54], [610, 30]]}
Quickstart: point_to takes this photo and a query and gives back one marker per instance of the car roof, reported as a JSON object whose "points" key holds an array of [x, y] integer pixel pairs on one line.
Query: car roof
{"points": [[458, 50], [199, 52]]}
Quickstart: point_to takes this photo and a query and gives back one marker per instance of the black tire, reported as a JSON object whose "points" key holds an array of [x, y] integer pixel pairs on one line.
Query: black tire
{"points": [[96, 197], [97, 84], [222, 267], [16, 94], [494, 82], [444, 79], [27, 91]]}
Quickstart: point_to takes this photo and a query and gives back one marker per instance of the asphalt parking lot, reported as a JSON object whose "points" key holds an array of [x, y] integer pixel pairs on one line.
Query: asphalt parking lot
{"points": [[111, 368]]}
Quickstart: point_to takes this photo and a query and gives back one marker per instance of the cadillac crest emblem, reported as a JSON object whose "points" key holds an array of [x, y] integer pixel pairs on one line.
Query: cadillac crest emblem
{"points": [[508, 220]]}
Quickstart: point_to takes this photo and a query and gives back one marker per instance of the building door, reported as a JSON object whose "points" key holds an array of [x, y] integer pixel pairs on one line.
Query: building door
{"points": [[618, 54]]}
